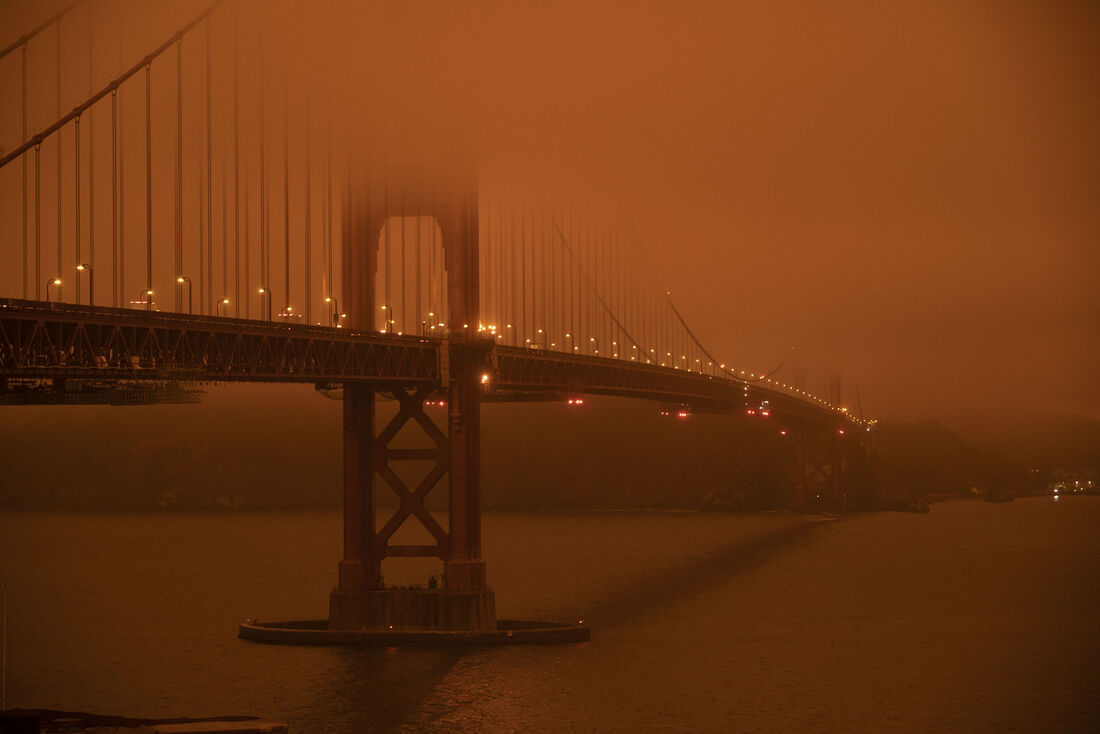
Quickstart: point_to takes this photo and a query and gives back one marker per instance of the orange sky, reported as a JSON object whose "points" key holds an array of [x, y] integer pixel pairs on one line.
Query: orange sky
{"points": [[904, 192]]}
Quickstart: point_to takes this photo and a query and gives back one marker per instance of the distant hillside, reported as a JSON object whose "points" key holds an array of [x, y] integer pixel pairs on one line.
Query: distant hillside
{"points": [[1047, 441], [927, 459]]}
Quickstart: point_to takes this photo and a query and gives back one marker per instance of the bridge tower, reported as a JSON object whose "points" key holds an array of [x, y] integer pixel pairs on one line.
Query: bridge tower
{"points": [[464, 601]]}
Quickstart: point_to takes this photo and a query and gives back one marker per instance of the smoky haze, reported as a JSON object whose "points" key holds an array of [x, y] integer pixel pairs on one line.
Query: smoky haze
{"points": [[904, 195]]}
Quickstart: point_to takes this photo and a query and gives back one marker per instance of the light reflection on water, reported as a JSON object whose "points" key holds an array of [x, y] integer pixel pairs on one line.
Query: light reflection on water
{"points": [[974, 616]]}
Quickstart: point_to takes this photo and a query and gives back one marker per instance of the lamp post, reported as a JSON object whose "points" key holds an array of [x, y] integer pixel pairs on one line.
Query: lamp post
{"points": [[91, 281], [222, 302], [146, 296], [335, 309], [181, 279], [595, 341], [387, 320], [265, 293], [53, 281]]}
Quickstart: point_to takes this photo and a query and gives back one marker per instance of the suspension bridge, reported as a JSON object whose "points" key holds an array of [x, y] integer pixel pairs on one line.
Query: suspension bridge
{"points": [[201, 215]]}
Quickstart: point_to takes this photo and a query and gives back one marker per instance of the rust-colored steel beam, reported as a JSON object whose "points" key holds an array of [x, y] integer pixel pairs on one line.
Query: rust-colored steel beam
{"points": [[61, 340]]}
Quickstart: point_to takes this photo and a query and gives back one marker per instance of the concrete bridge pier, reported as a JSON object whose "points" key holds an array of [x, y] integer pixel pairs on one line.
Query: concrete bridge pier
{"points": [[819, 469]]}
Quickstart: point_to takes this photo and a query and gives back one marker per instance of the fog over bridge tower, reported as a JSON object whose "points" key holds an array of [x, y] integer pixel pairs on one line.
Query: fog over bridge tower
{"points": [[464, 601]]}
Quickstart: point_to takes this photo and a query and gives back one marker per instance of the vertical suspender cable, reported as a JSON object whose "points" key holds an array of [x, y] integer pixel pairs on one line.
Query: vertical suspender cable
{"points": [[432, 315], [38, 221], [202, 252], [24, 162], [148, 188], [572, 288], [121, 210], [263, 174], [587, 262], [114, 199], [209, 292], [76, 167], [91, 157], [523, 268], [559, 290], [386, 224], [179, 170], [225, 235], [236, 168], [309, 220], [514, 316], [404, 302], [545, 278], [417, 315], [58, 148], [247, 273], [551, 274], [286, 188], [502, 284], [330, 287], [485, 280], [384, 261]]}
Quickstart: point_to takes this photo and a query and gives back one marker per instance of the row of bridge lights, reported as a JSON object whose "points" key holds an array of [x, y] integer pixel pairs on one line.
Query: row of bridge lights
{"points": [[594, 341], [146, 297]]}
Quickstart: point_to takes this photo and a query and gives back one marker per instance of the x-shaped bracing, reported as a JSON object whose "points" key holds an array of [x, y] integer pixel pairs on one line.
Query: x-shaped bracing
{"points": [[412, 500]]}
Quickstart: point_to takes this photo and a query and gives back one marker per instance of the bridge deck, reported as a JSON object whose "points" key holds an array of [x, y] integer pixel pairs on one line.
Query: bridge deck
{"points": [[44, 341]]}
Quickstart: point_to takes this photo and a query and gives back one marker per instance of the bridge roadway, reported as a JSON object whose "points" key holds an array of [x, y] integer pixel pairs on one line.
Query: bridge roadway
{"points": [[49, 341]]}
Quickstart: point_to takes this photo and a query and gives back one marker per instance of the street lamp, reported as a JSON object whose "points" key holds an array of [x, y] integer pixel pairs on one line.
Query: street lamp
{"points": [[91, 282], [387, 321], [222, 302], [265, 293], [146, 296], [335, 309], [181, 279], [53, 281], [596, 342]]}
